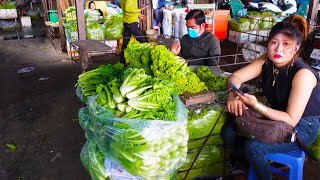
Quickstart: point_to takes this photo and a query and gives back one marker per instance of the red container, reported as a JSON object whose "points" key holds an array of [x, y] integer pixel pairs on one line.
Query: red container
{"points": [[221, 23]]}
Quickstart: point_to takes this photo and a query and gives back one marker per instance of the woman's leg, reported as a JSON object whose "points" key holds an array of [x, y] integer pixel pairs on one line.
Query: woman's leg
{"points": [[307, 129]]}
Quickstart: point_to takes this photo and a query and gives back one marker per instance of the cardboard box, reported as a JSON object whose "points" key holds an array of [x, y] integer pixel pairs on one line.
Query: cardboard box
{"points": [[25, 21], [191, 99]]}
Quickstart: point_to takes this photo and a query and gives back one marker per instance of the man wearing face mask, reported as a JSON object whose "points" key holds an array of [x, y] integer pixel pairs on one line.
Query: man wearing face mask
{"points": [[198, 43]]}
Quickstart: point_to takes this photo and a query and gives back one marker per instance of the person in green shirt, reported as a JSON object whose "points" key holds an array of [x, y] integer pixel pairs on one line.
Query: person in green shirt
{"points": [[131, 16]]}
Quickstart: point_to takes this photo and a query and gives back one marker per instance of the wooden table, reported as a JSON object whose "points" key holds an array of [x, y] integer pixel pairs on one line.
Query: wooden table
{"points": [[89, 48]]}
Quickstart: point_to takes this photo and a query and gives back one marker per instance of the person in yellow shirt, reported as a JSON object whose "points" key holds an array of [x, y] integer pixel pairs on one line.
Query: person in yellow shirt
{"points": [[131, 16]]}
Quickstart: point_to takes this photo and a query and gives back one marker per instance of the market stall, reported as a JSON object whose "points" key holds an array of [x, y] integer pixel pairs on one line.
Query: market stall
{"points": [[133, 114]]}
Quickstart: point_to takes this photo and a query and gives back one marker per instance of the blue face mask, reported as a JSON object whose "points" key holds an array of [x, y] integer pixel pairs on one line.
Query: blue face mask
{"points": [[193, 33]]}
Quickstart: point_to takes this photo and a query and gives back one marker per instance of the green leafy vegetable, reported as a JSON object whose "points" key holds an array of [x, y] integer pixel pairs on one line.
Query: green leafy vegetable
{"points": [[211, 80]]}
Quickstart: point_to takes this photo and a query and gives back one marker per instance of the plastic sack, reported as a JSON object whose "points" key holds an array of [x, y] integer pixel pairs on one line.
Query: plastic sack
{"points": [[208, 156], [202, 119], [251, 51], [212, 140], [91, 16], [95, 31], [215, 170], [93, 160], [145, 148], [8, 14], [167, 23], [114, 27], [71, 29], [315, 147]]}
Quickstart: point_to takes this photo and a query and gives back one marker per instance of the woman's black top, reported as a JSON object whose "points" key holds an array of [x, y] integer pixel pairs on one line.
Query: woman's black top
{"points": [[278, 94]]}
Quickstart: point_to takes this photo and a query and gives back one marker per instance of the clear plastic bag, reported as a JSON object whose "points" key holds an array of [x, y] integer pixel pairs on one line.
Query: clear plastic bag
{"points": [[95, 31], [91, 16], [114, 32], [209, 156], [145, 148], [202, 119], [114, 26], [93, 160]]}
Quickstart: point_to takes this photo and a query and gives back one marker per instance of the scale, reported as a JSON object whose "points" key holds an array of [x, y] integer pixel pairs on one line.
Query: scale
{"points": [[53, 17]]}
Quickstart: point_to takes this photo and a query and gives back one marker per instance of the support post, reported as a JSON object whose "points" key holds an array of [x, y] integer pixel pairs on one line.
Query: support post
{"points": [[62, 36], [80, 20], [312, 14]]}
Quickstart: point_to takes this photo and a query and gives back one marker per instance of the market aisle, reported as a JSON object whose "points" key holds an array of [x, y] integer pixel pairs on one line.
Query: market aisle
{"points": [[38, 113]]}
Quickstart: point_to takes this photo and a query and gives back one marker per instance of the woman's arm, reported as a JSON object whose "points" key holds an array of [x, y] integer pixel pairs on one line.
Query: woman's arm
{"points": [[240, 76]]}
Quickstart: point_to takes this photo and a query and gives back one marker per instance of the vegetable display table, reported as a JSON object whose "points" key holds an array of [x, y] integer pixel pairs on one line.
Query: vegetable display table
{"points": [[87, 49]]}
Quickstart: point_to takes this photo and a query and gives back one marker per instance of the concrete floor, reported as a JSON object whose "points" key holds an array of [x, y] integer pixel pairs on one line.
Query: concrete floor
{"points": [[40, 116]]}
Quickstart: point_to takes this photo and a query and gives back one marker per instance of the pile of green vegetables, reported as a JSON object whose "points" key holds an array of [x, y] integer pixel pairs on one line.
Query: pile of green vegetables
{"points": [[163, 64], [95, 31], [211, 80], [315, 147], [138, 55], [113, 26], [8, 5], [70, 14], [145, 148], [138, 96]]}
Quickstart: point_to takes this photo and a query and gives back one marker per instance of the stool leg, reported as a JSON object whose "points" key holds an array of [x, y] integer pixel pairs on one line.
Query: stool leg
{"points": [[296, 170], [252, 174]]}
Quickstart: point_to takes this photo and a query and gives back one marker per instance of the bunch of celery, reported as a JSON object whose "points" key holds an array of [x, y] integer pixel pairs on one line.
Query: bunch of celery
{"points": [[89, 80], [138, 96]]}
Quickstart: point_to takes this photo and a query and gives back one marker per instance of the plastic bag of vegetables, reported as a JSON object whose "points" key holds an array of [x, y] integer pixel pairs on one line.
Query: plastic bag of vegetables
{"points": [[91, 16], [202, 119], [93, 160], [114, 26], [71, 30], [208, 156], [95, 31], [146, 148], [315, 147]]}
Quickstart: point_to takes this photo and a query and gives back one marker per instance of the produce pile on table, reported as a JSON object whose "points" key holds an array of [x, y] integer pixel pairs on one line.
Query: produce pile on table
{"points": [[135, 118], [253, 21], [110, 27]]}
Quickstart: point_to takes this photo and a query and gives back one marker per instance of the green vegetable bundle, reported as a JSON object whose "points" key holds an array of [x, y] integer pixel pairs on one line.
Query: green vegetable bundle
{"points": [[91, 16], [8, 5], [90, 80], [70, 14], [165, 65], [208, 156], [138, 55], [113, 26], [93, 161], [315, 147], [146, 148], [95, 31], [214, 170], [211, 80], [202, 119]]}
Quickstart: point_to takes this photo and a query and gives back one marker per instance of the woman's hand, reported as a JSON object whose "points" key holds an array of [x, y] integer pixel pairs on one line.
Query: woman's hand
{"points": [[237, 102], [234, 104]]}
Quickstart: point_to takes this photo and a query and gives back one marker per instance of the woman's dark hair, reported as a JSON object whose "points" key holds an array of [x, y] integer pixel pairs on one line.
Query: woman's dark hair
{"points": [[287, 29], [197, 15], [91, 2], [290, 30]]}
